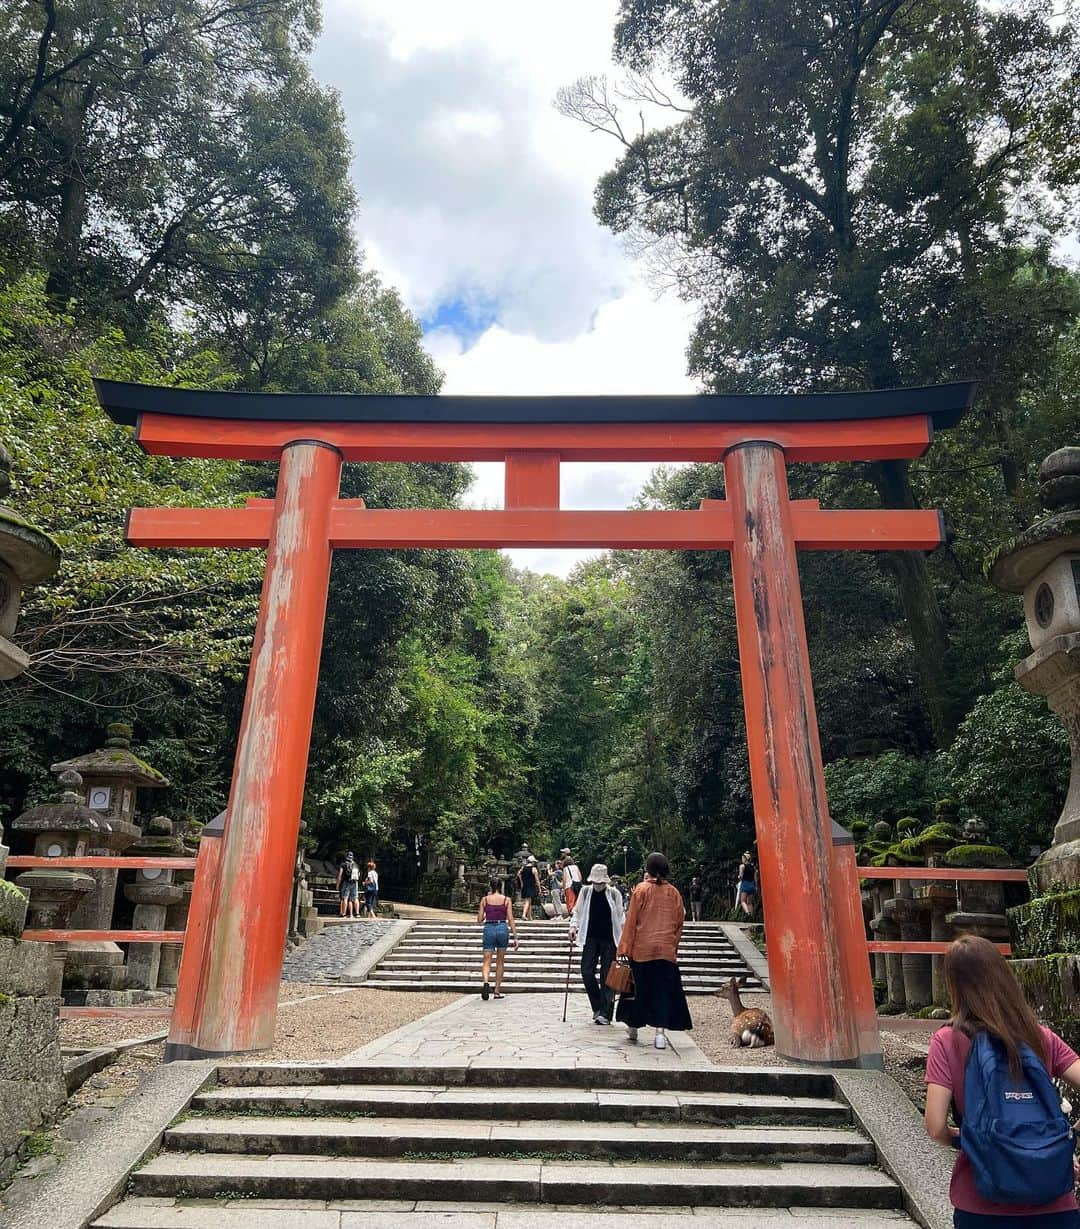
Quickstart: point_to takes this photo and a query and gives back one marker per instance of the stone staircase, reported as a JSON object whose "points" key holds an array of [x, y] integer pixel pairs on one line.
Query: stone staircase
{"points": [[447, 956], [511, 1147]]}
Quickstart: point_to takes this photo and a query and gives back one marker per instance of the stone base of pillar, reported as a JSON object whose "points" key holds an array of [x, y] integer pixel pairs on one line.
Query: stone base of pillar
{"points": [[992, 926], [1058, 869], [94, 965]]}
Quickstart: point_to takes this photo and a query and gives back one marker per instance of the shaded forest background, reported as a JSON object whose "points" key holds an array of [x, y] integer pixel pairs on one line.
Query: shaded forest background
{"points": [[857, 194]]}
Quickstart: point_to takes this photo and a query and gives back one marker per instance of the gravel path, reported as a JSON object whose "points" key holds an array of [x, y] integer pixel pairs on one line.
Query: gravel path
{"points": [[330, 953]]}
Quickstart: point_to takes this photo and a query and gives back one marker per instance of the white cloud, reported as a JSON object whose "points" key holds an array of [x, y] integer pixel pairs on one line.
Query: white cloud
{"points": [[476, 199]]}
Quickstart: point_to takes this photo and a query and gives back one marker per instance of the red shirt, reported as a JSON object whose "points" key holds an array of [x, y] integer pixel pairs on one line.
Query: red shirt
{"points": [[945, 1066]]}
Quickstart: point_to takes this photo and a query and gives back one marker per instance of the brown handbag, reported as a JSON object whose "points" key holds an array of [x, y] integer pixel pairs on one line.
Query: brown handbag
{"points": [[620, 979]]}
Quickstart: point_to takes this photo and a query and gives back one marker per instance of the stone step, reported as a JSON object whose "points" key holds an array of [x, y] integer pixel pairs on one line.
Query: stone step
{"points": [[159, 1213], [764, 1081], [462, 984], [552, 951], [207, 1175], [404, 1137], [721, 1108], [535, 964]]}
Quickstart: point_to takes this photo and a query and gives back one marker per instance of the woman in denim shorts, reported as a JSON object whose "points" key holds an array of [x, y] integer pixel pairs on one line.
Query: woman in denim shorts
{"points": [[496, 912]]}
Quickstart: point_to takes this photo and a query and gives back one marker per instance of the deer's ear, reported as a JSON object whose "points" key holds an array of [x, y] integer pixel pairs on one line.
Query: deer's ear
{"points": [[741, 982]]}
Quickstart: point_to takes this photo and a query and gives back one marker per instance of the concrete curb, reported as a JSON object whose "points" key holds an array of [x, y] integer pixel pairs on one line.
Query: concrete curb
{"points": [[754, 960], [355, 973], [921, 1167], [94, 1175]]}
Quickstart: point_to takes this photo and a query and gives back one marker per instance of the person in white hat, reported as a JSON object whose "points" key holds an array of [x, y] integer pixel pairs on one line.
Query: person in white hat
{"points": [[596, 928]]}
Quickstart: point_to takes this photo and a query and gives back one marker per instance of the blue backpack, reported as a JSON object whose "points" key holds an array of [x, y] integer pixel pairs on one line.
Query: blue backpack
{"points": [[1016, 1137]]}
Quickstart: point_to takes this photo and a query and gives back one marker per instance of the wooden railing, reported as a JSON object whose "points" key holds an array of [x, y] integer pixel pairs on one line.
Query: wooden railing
{"points": [[932, 874], [93, 862]]}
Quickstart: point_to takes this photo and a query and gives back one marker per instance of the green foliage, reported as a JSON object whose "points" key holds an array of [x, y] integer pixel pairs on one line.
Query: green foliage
{"points": [[889, 786]]}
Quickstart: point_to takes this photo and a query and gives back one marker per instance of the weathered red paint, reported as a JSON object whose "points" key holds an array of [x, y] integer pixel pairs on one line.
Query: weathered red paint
{"points": [[915, 948], [933, 873], [531, 480], [245, 940], [709, 528], [21, 861], [112, 936], [855, 440], [846, 903], [812, 998], [190, 985]]}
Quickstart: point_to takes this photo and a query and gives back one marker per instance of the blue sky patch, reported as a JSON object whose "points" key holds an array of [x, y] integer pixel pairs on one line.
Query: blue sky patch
{"points": [[467, 319]]}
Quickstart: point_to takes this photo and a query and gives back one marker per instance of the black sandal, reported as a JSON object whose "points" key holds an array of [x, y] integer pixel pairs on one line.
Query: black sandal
{"points": [[484, 992]]}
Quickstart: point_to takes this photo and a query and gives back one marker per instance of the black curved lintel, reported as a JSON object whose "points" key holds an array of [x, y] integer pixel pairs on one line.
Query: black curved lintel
{"points": [[943, 403]]}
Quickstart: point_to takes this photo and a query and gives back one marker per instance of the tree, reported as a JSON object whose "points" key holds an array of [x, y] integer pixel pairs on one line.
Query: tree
{"points": [[859, 195], [173, 153]]}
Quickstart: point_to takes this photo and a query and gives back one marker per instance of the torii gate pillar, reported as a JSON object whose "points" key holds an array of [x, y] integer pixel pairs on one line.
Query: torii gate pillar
{"points": [[228, 984], [813, 989]]}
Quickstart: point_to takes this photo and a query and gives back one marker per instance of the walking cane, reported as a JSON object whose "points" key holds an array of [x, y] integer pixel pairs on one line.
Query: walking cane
{"points": [[566, 996]]}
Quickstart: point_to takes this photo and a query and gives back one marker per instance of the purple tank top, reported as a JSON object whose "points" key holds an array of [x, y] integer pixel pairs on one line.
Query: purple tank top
{"points": [[494, 913]]}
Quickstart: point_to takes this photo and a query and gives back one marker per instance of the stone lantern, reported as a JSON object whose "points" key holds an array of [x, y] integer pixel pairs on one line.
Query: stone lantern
{"points": [[1043, 563], [111, 775], [60, 829], [152, 894], [27, 556]]}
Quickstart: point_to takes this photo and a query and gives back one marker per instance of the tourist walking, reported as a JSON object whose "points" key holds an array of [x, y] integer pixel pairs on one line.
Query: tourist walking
{"points": [[348, 886], [528, 880], [571, 878], [371, 889], [746, 893], [650, 942], [596, 928], [496, 913], [993, 1060], [697, 897], [555, 888]]}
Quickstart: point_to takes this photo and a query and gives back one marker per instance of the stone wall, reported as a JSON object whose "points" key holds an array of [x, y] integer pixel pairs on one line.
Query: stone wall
{"points": [[31, 1068]]}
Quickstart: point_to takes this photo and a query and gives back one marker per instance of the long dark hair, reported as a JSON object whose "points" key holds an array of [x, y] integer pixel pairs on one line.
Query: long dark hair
{"points": [[985, 995]]}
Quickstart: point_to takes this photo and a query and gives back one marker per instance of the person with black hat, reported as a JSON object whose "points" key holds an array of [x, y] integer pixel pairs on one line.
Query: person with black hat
{"points": [[596, 928]]}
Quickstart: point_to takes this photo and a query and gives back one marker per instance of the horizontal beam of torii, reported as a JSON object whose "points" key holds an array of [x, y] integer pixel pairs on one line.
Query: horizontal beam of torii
{"points": [[823, 1005], [355, 527]]}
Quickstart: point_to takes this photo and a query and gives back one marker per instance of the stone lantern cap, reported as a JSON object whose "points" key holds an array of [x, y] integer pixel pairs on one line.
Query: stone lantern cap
{"points": [[116, 759], [1017, 562], [65, 815], [32, 555]]}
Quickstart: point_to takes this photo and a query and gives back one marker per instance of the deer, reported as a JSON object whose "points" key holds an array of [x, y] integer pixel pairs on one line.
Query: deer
{"points": [[750, 1026]]}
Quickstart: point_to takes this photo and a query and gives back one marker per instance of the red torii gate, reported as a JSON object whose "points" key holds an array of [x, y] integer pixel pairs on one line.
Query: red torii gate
{"points": [[823, 1006]]}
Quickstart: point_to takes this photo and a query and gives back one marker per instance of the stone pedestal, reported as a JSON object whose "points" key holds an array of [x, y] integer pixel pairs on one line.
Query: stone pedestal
{"points": [[153, 893], [887, 929], [913, 924], [939, 901], [176, 916], [54, 894]]}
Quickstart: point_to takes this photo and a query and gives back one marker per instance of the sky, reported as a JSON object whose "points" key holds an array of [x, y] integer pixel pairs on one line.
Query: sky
{"points": [[476, 203]]}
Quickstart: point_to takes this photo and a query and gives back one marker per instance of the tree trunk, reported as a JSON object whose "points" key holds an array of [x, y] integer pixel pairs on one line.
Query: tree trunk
{"points": [[925, 621], [64, 257]]}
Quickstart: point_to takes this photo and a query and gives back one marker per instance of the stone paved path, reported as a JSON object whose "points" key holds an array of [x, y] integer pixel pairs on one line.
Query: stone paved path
{"points": [[330, 953], [524, 1030]]}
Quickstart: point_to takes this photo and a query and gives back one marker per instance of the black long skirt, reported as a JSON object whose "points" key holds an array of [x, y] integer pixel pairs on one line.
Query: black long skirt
{"points": [[659, 1000]]}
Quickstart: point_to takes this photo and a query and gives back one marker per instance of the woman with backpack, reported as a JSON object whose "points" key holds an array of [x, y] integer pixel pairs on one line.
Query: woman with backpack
{"points": [[994, 1063]]}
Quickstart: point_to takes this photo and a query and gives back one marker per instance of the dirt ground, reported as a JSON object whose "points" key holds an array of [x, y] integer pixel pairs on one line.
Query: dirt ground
{"points": [[314, 1023]]}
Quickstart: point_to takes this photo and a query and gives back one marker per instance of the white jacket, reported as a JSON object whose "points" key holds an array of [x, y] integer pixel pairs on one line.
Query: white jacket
{"points": [[579, 919]]}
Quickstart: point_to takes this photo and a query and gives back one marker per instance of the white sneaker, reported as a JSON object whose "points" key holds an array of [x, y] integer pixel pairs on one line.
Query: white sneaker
{"points": [[631, 1035], [660, 1041]]}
